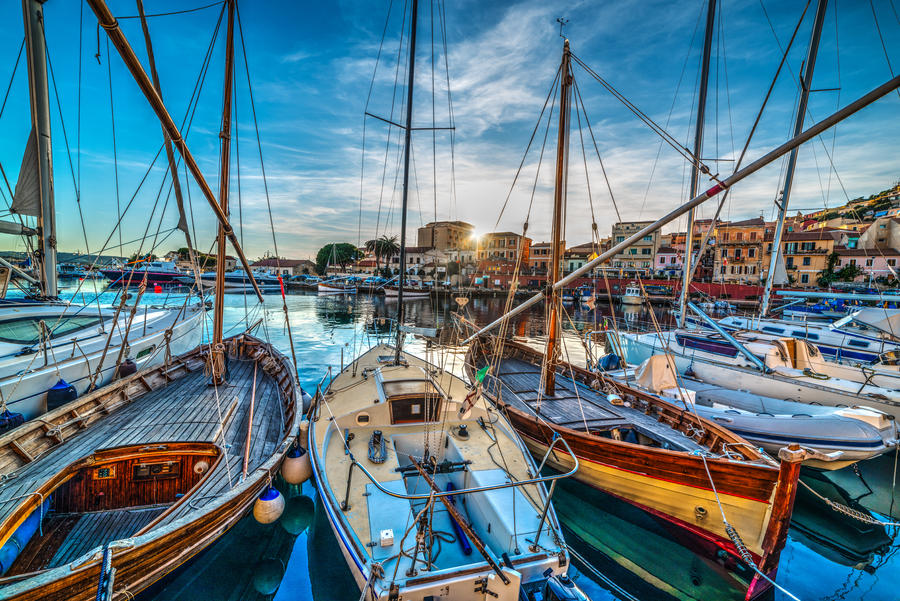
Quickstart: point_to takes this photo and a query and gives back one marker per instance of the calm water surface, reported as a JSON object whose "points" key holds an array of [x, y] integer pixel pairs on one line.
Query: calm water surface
{"points": [[828, 556]]}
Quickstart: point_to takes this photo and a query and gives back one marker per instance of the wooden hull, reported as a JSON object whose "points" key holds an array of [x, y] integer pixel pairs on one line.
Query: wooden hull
{"points": [[195, 521], [757, 498], [408, 293], [336, 289]]}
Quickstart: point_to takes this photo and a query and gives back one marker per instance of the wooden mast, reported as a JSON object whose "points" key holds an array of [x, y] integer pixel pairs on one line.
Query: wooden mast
{"points": [[406, 149], [109, 23], [557, 243], [218, 348], [36, 54], [695, 166]]}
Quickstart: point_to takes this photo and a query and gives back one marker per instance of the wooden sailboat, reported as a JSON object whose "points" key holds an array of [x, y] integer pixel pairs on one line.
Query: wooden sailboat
{"points": [[104, 496], [428, 489], [633, 445]]}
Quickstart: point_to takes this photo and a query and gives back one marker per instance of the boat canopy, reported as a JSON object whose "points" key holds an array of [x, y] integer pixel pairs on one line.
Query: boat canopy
{"points": [[880, 318], [655, 374]]}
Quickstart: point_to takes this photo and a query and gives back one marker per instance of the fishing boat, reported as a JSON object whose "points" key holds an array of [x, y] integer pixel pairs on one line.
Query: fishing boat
{"points": [[71, 271], [428, 489], [335, 287], [107, 494], [52, 351], [834, 437], [632, 295], [410, 291]]}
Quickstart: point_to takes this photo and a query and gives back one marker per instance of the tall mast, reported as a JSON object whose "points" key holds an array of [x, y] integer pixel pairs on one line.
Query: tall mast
{"points": [[409, 111], [35, 50], [559, 202], [218, 348], [695, 166], [805, 81]]}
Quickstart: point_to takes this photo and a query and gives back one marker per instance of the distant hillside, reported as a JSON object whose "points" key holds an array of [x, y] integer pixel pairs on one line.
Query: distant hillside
{"points": [[65, 257]]}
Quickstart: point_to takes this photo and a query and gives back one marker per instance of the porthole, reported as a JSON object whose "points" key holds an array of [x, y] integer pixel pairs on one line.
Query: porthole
{"points": [[362, 419]]}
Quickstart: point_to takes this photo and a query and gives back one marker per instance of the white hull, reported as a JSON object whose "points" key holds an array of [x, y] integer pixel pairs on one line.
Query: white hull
{"points": [[407, 293], [25, 379], [631, 300], [332, 289]]}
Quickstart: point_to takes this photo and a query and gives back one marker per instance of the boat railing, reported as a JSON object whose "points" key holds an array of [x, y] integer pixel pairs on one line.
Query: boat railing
{"points": [[467, 491]]}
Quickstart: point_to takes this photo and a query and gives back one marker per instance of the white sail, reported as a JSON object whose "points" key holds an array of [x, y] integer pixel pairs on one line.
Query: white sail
{"points": [[27, 198], [779, 277]]}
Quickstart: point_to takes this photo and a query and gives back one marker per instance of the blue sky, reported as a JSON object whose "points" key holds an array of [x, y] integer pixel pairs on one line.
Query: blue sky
{"points": [[311, 65]]}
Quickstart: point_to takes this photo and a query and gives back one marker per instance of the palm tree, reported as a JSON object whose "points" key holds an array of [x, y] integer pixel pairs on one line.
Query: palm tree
{"points": [[384, 247]]}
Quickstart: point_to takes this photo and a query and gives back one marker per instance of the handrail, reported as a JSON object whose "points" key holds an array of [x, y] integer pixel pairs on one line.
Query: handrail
{"points": [[465, 491]]}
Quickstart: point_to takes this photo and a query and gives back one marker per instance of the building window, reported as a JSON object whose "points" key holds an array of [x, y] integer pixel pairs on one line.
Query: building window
{"points": [[648, 238], [724, 253], [752, 235], [645, 251], [892, 262], [737, 253], [739, 236], [853, 261], [751, 252], [869, 262], [806, 261], [804, 279], [722, 269]]}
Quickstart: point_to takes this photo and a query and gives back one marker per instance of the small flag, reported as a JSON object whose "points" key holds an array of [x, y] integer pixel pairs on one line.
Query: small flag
{"points": [[465, 409], [593, 256]]}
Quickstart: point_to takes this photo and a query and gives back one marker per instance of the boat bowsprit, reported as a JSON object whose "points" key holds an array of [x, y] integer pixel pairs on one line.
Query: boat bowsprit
{"points": [[428, 489]]}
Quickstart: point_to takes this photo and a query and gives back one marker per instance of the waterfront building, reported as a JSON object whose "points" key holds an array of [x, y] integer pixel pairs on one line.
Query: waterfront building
{"points": [[446, 235], [739, 256], [503, 245], [639, 257]]}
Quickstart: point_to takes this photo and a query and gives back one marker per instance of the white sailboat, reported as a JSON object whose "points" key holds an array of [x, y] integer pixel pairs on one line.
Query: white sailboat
{"points": [[50, 345]]}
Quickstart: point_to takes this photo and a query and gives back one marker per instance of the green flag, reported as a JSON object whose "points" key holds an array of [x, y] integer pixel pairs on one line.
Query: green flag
{"points": [[482, 373]]}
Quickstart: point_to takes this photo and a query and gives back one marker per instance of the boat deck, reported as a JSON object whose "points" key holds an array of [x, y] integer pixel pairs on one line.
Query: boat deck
{"points": [[576, 406], [185, 410]]}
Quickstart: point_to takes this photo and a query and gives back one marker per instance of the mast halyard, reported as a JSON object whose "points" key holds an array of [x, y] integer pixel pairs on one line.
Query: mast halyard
{"points": [[406, 149], [35, 50], [218, 347], [557, 243], [695, 166], [805, 81]]}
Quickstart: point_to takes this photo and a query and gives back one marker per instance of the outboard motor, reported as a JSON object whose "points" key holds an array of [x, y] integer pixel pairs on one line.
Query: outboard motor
{"points": [[609, 362], [561, 588]]}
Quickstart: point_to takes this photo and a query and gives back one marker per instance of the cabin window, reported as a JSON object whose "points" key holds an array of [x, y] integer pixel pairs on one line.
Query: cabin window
{"points": [[28, 330], [802, 334], [772, 330], [858, 343]]}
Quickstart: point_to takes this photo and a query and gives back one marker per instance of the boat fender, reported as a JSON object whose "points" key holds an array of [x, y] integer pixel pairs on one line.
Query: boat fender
{"points": [[268, 506], [201, 467], [17, 541], [126, 368], [306, 399], [561, 588], [10, 420], [303, 435], [464, 543], [296, 468], [61, 393], [609, 362]]}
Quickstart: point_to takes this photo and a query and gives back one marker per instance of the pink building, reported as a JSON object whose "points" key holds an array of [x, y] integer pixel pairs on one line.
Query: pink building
{"points": [[877, 262], [668, 259]]}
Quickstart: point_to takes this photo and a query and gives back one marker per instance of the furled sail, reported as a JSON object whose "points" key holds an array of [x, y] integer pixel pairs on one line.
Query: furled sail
{"points": [[27, 199]]}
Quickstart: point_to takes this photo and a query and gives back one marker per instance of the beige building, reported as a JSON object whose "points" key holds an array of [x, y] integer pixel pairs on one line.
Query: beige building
{"points": [[503, 245], [642, 254], [446, 235], [740, 251]]}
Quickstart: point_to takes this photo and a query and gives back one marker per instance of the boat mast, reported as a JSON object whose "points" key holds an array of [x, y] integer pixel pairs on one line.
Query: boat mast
{"points": [[406, 149], [720, 186], [218, 348], [805, 82], [35, 49], [557, 244], [695, 165]]}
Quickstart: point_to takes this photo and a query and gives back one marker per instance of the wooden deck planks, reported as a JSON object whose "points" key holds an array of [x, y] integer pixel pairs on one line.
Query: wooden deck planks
{"points": [[99, 528], [183, 410]]}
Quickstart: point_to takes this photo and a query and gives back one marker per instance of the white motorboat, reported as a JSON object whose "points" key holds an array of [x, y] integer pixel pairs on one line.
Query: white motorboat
{"points": [[793, 369], [833, 437], [409, 292], [632, 295], [45, 345], [336, 287]]}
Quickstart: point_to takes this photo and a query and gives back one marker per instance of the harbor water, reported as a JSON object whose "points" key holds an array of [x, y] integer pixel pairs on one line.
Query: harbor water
{"points": [[620, 552]]}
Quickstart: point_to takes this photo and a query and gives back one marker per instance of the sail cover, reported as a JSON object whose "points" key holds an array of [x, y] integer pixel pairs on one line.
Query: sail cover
{"points": [[27, 199], [655, 374]]}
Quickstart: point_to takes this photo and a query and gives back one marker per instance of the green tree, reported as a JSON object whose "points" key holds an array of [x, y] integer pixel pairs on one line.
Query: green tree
{"points": [[383, 248], [339, 253], [827, 275], [135, 258], [849, 272]]}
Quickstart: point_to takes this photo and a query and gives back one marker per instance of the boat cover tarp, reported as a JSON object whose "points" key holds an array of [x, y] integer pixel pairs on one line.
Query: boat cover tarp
{"points": [[655, 374], [880, 318]]}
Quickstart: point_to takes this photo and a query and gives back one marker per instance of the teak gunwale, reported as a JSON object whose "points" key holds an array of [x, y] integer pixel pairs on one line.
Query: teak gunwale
{"points": [[152, 552]]}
